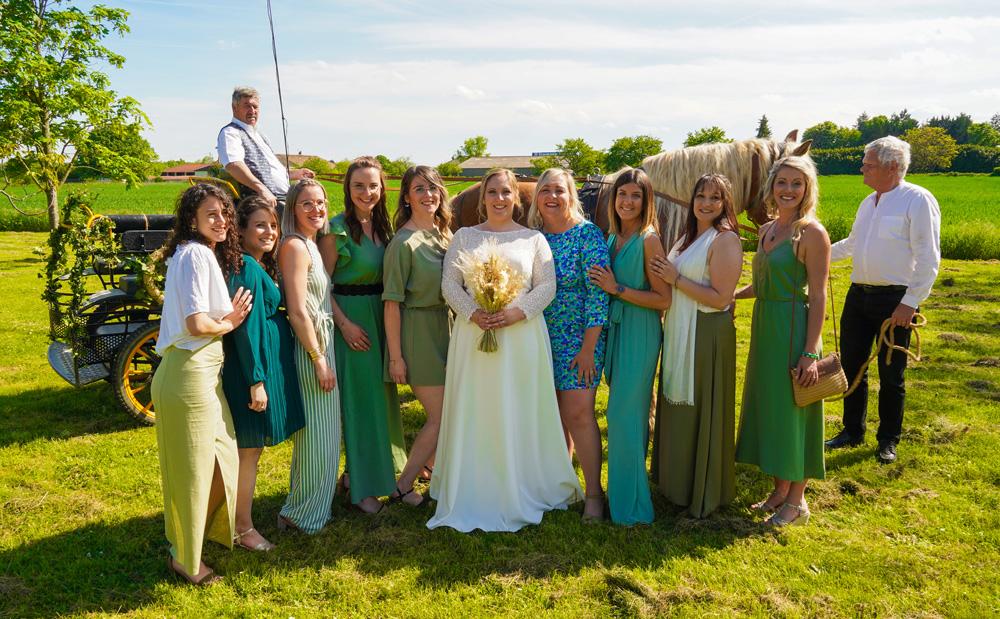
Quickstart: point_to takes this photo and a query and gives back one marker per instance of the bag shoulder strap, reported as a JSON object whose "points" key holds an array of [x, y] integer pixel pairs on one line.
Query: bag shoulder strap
{"points": [[833, 309]]}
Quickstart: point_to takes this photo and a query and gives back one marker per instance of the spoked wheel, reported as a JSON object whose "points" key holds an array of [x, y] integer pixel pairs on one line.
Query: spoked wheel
{"points": [[133, 373]]}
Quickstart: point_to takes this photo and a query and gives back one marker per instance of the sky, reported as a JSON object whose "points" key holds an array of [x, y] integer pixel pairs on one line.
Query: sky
{"points": [[414, 79]]}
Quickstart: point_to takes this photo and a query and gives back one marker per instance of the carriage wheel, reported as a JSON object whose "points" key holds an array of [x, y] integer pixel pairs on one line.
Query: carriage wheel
{"points": [[133, 373]]}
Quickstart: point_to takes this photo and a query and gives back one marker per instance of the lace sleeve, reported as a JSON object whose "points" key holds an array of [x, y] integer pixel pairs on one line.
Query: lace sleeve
{"points": [[452, 282], [543, 281]]}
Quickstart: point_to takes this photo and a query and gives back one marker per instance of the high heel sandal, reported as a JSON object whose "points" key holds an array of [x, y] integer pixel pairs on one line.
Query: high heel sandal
{"points": [[399, 495], [801, 517], [263, 546], [208, 579], [590, 518], [429, 473], [762, 507]]}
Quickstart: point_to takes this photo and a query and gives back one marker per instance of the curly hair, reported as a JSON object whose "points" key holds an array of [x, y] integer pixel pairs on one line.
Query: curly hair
{"points": [[229, 253], [726, 219], [442, 216], [247, 207], [381, 227]]}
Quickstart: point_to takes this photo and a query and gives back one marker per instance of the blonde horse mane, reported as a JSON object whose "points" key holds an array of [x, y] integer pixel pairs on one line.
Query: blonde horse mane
{"points": [[674, 173]]}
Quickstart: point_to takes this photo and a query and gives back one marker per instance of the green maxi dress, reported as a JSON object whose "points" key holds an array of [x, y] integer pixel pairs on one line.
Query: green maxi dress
{"points": [[262, 349], [373, 427], [782, 439], [633, 348], [413, 266]]}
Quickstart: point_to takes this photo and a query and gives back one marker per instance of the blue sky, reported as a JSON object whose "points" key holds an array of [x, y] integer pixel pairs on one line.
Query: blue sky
{"points": [[414, 79]]}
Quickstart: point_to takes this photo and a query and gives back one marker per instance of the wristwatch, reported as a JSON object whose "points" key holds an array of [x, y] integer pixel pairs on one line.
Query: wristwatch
{"points": [[619, 289]]}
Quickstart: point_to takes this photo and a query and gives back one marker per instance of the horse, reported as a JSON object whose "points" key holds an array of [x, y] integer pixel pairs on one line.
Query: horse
{"points": [[673, 174]]}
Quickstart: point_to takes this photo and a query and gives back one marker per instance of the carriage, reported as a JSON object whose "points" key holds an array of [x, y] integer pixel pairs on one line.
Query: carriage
{"points": [[111, 335]]}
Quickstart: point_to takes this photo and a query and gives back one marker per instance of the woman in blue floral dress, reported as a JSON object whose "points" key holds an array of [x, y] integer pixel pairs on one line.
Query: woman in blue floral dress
{"points": [[575, 321]]}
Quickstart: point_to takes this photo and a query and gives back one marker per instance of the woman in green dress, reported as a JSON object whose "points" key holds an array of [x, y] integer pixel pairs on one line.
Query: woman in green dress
{"points": [[417, 320], [634, 335], [793, 255], [693, 460], [353, 253], [194, 429], [259, 378]]}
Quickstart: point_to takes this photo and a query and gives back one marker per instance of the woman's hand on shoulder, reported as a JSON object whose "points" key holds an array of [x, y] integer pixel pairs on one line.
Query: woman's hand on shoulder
{"points": [[603, 278]]}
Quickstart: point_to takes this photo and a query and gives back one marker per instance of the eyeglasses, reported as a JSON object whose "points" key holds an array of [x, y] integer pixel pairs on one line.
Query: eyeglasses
{"points": [[309, 206]]}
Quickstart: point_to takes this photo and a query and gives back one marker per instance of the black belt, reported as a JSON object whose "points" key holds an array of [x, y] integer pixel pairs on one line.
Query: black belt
{"points": [[877, 289], [357, 290]]}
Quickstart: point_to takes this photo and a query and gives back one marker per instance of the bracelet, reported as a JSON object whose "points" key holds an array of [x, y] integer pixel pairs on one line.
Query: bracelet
{"points": [[810, 355], [676, 279], [313, 354]]}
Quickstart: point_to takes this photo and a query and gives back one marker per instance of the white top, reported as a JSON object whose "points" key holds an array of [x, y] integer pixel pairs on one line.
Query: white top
{"points": [[231, 149], [526, 249], [896, 242], [194, 285]]}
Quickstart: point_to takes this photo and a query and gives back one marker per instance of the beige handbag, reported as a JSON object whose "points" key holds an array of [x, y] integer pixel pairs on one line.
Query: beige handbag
{"points": [[832, 382]]}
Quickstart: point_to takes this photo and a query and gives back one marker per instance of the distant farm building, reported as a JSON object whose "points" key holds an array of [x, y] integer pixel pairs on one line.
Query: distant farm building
{"points": [[187, 170], [477, 166], [295, 161]]}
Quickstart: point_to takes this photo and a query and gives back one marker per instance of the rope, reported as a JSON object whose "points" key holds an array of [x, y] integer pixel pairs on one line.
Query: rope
{"points": [[887, 336], [277, 76]]}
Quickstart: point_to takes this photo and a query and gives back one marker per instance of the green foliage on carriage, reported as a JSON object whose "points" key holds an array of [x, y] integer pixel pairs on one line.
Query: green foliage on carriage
{"points": [[53, 96]]}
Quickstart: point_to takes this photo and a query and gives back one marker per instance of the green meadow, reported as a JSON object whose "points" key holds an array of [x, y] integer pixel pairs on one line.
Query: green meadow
{"points": [[81, 522], [970, 207]]}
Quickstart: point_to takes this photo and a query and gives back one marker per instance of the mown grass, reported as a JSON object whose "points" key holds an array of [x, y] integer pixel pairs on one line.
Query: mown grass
{"points": [[81, 529], [969, 207]]}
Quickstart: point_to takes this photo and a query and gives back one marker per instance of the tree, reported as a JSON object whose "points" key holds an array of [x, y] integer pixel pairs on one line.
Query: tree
{"points": [[449, 168], [318, 165], [957, 127], [995, 121], [872, 128], [983, 134], [394, 167], [630, 151], [707, 135], [931, 149], [114, 145], [829, 134], [763, 128], [472, 147], [574, 154], [901, 122], [52, 96]]}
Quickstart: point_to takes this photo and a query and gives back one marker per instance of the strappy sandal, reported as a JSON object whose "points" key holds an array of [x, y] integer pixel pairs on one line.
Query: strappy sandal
{"points": [[263, 546], [801, 516], [398, 495], [430, 473], [589, 518], [763, 508], [208, 579]]}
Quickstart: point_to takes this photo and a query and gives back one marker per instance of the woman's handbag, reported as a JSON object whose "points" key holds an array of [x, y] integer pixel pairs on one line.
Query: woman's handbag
{"points": [[832, 382]]}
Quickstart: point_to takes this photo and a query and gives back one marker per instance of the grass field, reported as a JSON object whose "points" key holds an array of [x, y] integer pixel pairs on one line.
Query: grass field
{"points": [[970, 207], [81, 523]]}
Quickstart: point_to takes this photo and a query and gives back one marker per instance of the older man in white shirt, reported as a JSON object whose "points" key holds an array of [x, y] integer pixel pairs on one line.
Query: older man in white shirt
{"points": [[247, 154], [896, 245]]}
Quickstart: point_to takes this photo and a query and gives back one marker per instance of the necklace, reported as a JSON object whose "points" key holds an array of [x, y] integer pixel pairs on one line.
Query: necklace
{"points": [[774, 231]]}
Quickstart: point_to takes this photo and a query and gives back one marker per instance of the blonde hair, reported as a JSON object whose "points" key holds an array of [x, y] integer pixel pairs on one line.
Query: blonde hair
{"points": [[810, 198], [288, 226], [575, 208], [511, 180]]}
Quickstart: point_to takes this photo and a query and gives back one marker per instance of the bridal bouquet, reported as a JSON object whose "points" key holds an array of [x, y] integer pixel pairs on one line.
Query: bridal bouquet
{"points": [[493, 282]]}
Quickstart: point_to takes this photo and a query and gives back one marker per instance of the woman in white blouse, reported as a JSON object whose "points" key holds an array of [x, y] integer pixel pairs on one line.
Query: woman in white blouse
{"points": [[501, 457], [194, 429]]}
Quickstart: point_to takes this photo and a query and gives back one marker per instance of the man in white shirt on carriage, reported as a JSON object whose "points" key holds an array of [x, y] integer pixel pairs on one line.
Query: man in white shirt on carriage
{"points": [[896, 246], [247, 155]]}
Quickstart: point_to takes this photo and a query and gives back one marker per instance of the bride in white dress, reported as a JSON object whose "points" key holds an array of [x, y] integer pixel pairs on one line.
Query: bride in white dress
{"points": [[501, 460]]}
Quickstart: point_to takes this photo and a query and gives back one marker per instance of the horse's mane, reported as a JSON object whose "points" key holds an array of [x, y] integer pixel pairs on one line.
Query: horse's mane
{"points": [[675, 172]]}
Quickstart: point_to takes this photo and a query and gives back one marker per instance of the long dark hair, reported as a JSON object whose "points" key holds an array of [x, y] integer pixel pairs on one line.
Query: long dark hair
{"points": [[228, 253], [247, 207], [648, 216], [442, 216], [380, 215], [726, 219]]}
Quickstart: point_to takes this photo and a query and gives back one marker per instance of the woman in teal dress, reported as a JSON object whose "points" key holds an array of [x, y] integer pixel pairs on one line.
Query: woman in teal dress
{"points": [[259, 375], [417, 320], [793, 254], [634, 336], [353, 254]]}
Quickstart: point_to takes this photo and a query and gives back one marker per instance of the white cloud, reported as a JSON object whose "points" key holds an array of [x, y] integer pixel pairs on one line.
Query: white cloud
{"points": [[471, 94]]}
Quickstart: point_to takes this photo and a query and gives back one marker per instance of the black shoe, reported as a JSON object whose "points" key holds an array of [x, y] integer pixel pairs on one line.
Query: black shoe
{"points": [[842, 440], [886, 453]]}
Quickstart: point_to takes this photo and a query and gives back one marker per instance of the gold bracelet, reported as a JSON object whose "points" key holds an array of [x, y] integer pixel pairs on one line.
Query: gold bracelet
{"points": [[314, 354]]}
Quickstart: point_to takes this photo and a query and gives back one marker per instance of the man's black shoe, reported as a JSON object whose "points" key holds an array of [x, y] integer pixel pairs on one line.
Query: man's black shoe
{"points": [[886, 453], [842, 440]]}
